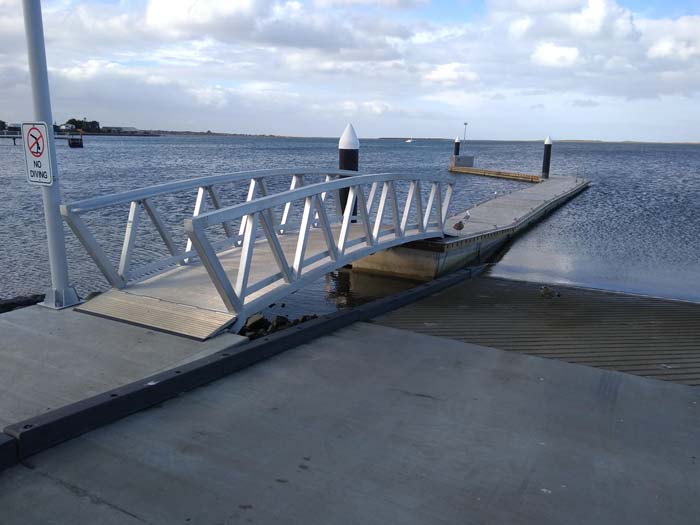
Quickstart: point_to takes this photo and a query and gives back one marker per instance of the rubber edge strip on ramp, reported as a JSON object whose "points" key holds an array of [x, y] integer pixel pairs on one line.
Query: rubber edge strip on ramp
{"points": [[8, 451]]}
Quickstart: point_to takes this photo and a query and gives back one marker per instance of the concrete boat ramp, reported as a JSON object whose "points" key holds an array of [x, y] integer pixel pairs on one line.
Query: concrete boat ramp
{"points": [[373, 424], [354, 417]]}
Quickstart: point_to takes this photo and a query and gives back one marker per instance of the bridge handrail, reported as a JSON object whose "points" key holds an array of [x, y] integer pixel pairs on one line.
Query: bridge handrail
{"points": [[141, 199], [104, 201], [243, 297], [238, 210]]}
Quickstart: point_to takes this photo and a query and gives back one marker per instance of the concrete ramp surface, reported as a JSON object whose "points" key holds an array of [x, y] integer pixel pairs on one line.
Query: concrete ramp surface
{"points": [[379, 425]]}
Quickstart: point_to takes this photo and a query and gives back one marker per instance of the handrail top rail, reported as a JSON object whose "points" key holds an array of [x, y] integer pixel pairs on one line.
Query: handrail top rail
{"points": [[235, 211], [104, 201]]}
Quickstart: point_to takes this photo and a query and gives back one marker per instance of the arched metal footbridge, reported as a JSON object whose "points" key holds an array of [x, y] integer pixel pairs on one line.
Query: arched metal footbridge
{"points": [[219, 266]]}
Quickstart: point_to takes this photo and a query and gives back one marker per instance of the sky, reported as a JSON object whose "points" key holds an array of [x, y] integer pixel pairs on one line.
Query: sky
{"points": [[514, 69]]}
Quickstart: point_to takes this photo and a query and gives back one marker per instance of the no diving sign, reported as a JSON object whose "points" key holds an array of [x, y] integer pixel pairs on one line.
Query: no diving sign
{"points": [[36, 152]]}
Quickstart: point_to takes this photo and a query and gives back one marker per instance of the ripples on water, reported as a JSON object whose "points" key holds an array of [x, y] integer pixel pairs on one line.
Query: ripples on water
{"points": [[634, 230]]}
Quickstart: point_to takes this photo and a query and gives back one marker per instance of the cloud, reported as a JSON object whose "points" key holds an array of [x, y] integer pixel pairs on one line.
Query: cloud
{"points": [[551, 55], [450, 74], [518, 27], [601, 16], [186, 18], [585, 103], [383, 3], [240, 64]]}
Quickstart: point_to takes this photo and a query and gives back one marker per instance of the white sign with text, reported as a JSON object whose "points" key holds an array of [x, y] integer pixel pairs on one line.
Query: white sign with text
{"points": [[36, 152]]}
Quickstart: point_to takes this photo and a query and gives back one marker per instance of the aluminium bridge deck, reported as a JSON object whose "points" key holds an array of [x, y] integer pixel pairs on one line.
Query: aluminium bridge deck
{"points": [[183, 301]]}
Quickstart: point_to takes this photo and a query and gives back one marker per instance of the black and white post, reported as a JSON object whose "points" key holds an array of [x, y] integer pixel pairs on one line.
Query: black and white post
{"points": [[348, 159], [457, 144], [546, 160]]}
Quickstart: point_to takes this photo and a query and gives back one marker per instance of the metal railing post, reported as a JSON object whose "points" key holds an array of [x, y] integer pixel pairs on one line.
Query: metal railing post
{"points": [[61, 294]]}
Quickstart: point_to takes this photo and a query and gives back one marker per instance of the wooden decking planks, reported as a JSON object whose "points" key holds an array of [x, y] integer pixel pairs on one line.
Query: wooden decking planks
{"points": [[174, 318], [638, 335]]}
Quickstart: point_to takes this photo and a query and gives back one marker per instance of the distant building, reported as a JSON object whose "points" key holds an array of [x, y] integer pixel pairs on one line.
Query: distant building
{"points": [[67, 127]]}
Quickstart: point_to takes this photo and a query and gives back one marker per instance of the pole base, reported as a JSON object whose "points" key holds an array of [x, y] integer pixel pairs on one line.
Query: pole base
{"points": [[60, 299]]}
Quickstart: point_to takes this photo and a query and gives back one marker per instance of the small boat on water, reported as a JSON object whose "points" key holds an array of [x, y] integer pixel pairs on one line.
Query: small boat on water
{"points": [[75, 141], [408, 141]]}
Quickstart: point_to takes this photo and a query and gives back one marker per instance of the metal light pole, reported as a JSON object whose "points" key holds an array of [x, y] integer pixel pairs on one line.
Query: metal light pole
{"points": [[61, 294], [465, 131]]}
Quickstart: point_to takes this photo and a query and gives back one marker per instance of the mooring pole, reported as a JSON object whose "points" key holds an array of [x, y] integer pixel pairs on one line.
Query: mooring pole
{"points": [[547, 158], [348, 159], [61, 294], [456, 147]]}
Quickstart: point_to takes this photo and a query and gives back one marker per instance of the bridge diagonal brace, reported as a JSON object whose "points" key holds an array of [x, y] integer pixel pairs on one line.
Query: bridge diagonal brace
{"points": [[325, 224], [372, 194], [347, 219], [251, 195], [297, 182], [438, 206], [410, 198], [200, 206], [381, 208], [161, 227], [276, 248], [216, 201], [132, 225], [419, 207], [93, 248], [394, 209], [446, 202], [264, 193], [249, 236], [212, 265], [364, 216], [429, 206], [306, 220]]}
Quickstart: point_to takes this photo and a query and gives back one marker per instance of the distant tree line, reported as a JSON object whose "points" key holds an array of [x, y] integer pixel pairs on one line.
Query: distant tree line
{"points": [[91, 126], [88, 126]]}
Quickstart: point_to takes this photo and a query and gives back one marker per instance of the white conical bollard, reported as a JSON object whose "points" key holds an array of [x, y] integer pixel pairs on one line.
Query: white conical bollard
{"points": [[348, 159]]}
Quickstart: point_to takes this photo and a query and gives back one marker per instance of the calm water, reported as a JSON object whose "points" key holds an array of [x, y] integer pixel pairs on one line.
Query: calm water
{"points": [[634, 230]]}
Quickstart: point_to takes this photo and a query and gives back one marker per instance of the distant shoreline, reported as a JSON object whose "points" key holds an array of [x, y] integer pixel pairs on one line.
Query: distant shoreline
{"points": [[165, 133]]}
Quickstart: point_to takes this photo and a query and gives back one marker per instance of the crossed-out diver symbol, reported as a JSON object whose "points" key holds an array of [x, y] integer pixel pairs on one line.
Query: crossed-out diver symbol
{"points": [[36, 142]]}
